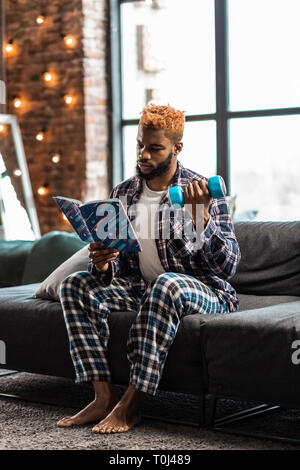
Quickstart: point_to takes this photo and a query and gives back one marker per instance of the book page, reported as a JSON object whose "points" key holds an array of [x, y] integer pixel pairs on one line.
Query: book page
{"points": [[96, 201], [70, 207], [108, 222]]}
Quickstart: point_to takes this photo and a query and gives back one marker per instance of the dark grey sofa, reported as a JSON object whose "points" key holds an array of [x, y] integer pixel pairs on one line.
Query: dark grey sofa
{"points": [[245, 354]]}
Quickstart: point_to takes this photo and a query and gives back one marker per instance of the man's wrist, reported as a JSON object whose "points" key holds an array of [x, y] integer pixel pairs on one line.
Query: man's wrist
{"points": [[100, 271], [205, 220]]}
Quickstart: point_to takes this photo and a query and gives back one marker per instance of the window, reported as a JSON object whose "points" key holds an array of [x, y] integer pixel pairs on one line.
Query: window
{"points": [[18, 217], [232, 66]]}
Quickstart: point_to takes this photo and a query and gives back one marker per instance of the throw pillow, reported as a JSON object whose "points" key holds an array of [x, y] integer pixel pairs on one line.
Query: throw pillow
{"points": [[49, 252], [49, 289]]}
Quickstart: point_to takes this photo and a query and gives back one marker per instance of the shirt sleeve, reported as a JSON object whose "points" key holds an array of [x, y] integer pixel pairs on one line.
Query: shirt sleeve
{"points": [[105, 278], [220, 248]]}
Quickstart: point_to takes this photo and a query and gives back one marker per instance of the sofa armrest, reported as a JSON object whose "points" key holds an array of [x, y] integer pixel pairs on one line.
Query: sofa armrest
{"points": [[13, 256]]}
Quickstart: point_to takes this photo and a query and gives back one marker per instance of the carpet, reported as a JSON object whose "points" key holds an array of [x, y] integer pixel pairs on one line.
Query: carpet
{"points": [[32, 425]]}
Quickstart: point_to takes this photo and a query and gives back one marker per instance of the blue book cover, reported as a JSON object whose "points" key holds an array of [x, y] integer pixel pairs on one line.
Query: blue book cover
{"points": [[104, 221]]}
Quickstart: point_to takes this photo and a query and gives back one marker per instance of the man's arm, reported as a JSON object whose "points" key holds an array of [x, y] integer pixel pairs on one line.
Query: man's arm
{"points": [[220, 248], [106, 277], [114, 266]]}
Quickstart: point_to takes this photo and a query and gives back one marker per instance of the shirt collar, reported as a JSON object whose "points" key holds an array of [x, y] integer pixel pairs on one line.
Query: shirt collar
{"points": [[179, 179]]}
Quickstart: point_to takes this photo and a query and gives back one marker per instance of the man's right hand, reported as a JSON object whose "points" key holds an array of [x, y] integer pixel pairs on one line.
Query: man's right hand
{"points": [[101, 257]]}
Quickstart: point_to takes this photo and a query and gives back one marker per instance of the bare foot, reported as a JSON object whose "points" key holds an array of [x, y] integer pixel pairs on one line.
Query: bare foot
{"points": [[92, 412], [120, 419]]}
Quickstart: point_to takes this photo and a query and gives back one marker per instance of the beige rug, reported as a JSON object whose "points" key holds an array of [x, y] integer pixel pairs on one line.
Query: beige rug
{"points": [[31, 425]]}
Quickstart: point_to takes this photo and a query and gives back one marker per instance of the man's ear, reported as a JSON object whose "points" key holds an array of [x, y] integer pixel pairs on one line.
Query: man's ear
{"points": [[178, 147]]}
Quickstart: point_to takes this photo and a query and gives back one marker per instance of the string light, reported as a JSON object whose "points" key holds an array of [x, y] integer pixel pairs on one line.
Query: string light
{"points": [[69, 40], [56, 158], [40, 135], [69, 99], [43, 190], [17, 102], [40, 19], [48, 77], [10, 48]]}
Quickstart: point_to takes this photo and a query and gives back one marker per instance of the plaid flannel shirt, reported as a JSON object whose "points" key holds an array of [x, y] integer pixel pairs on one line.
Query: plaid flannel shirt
{"points": [[214, 263]]}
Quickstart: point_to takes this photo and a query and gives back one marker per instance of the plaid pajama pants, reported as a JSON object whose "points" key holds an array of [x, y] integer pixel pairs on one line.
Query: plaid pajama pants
{"points": [[159, 309]]}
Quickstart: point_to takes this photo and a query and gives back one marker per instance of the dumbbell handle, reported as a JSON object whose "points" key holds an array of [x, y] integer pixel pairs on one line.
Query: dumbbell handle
{"points": [[216, 187]]}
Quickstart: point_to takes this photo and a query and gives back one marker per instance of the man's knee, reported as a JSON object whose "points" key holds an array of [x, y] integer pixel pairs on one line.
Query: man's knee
{"points": [[167, 280], [74, 280]]}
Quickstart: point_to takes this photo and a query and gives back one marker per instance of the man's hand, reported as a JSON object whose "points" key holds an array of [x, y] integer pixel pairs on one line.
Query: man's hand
{"points": [[197, 193], [101, 257]]}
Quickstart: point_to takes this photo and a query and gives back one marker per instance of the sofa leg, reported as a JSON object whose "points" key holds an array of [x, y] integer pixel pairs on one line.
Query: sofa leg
{"points": [[221, 424], [202, 419], [212, 405]]}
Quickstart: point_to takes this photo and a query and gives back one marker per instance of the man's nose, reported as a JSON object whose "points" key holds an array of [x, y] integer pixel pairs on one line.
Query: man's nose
{"points": [[144, 154]]}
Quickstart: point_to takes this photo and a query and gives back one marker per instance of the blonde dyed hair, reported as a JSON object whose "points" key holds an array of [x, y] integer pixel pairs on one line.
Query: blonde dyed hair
{"points": [[164, 117]]}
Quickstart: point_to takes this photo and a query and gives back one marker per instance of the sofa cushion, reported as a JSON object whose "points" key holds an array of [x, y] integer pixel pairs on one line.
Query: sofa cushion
{"points": [[13, 255], [49, 289], [249, 302], [249, 354], [50, 251], [270, 261]]}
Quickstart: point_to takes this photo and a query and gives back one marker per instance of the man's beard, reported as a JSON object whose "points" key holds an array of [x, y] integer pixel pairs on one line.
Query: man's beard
{"points": [[162, 168]]}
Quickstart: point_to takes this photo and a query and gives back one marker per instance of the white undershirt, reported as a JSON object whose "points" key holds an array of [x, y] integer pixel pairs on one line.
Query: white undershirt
{"points": [[149, 261]]}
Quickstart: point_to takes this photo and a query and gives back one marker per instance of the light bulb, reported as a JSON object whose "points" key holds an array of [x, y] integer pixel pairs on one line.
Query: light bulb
{"points": [[47, 77], [69, 40], [17, 172], [64, 217], [9, 48], [39, 136], [40, 19], [17, 103], [68, 99], [43, 190], [2, 128], [56, 158]]}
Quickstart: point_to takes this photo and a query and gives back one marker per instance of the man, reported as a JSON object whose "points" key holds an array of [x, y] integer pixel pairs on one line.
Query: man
{"points": [[167, 280]]}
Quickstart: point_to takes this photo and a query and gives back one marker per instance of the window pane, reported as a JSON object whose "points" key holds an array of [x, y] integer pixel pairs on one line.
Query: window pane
{"points": [[199, 147], [265, 166], [168, 55], [198, 153], [264, 66]]}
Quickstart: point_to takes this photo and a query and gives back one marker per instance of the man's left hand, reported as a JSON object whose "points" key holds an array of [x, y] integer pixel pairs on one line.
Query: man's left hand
{"points": [[197, 193]]}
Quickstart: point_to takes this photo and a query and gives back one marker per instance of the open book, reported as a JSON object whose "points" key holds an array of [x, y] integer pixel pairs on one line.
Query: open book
{"points": [[104, 221]]}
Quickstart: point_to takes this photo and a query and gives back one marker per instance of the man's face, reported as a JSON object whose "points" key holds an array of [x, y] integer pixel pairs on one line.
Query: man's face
{"points": [[154, 153]]}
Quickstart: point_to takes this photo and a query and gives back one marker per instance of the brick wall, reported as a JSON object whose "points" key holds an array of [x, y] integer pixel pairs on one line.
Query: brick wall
{"points": [[78, 132]]}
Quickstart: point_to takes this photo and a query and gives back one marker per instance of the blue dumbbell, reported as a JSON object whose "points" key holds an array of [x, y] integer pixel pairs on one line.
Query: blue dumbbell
{"points": [[216, 187]]}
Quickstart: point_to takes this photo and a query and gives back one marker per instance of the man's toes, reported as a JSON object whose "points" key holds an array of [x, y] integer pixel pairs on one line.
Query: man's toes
{"points": [[64, 422], [117, 429], [103, 429]]}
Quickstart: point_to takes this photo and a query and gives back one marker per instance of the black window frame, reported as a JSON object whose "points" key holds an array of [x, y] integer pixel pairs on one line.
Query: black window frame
{"points": [[222, 114]]}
